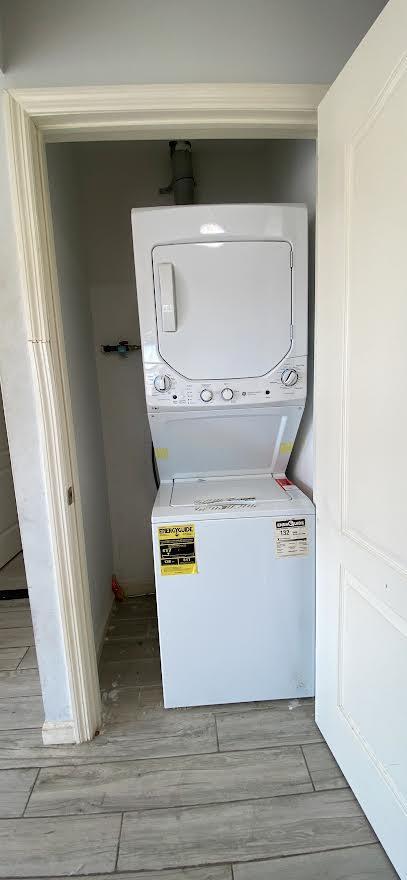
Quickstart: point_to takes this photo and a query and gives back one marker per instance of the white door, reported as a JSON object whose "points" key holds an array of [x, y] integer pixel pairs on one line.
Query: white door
{"points": [[10, 542], [361, 426]]}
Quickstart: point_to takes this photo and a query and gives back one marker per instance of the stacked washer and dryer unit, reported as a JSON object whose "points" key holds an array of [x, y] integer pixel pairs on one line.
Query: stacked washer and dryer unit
{"points": [[222, 296]]}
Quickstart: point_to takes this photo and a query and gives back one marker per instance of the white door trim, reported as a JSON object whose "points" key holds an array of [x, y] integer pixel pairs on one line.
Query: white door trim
{"points": [[34, 117], [243, 110]]}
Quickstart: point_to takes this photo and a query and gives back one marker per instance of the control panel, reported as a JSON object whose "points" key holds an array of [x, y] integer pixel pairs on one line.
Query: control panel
{"points": [[167, 389]]}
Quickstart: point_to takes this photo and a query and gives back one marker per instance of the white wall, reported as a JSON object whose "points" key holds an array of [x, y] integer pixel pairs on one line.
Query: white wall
{"points": [[77, 322], [114, 177], [56, 42]]}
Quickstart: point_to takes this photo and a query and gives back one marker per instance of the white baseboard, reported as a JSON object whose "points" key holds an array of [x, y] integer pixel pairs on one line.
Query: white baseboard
{"points": [[133, 588], [58, 733]]}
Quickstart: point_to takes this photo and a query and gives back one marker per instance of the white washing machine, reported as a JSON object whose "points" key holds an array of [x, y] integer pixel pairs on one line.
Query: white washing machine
{"points": [[222, 293], [240, 626]]}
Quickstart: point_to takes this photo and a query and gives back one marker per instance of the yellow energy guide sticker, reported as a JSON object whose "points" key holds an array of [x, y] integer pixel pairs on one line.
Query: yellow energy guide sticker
{"points": [[161, 452], [177, 549], [286, 447]]}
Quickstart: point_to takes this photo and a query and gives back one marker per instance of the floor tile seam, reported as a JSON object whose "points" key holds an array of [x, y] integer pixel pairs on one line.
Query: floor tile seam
{"points": [[118, 842], [82, 762], [216, 732], [306, 764], [159, 809], [24, 655], [31, 790], [275, 746], [307, 852]]}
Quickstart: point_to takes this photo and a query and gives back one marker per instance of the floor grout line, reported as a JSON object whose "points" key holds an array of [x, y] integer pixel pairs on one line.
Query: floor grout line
{"points": [[216, 733], [24, 655], [190, 806], [308, 770], [130, 760], [227, 864], [118, 842], [166, 871], [219, 864], [288, 856], [31, 791]]}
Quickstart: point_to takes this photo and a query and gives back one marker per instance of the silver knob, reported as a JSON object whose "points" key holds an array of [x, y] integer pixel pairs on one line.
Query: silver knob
{"points": [[289, 377], [227, 393], [162, 383], [206, 395]]}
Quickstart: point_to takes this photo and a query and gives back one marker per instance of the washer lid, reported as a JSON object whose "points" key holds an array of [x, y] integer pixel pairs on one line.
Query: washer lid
{"points": [[223, 308], [222, 493]]}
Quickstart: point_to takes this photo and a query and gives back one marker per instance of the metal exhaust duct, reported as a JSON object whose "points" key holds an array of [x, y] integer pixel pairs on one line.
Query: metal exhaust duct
{"points": [[182, 183]]}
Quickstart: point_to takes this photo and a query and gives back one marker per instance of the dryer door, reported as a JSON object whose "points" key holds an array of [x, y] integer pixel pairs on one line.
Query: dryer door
{"points": [[223, 308]]}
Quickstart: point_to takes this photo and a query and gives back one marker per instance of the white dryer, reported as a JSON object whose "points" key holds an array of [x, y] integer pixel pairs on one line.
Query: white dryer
{"points": [[222, 293]]}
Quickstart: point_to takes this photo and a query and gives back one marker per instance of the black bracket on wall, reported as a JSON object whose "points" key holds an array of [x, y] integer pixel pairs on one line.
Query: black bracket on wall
{"points": [[121, 348]]}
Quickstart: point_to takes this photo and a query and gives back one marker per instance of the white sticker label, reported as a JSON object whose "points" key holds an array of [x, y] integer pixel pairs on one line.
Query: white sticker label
{"points": [[291, 537], [224, 503]]}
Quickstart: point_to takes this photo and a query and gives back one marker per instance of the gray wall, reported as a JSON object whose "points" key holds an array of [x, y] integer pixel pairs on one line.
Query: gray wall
{"points": [[2, 58], [293, 179], [52, 42], [114, 177], [76, 317], [55, 42]]}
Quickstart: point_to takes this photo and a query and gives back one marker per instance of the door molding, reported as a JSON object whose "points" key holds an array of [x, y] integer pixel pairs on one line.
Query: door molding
{"points": [[37, 116], [244, 110]]}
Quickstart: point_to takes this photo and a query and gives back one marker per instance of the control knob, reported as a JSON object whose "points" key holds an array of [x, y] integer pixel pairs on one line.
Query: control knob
{"points": [[162, 383], [206, 395], [289, 377], [227, 393]]}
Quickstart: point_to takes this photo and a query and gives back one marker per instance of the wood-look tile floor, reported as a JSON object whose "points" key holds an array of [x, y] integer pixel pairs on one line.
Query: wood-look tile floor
{"points": [[12, 575], [238, 792]]}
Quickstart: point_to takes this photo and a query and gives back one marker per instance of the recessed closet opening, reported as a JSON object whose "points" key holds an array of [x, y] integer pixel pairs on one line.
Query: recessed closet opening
{"points": [[93, 187]]}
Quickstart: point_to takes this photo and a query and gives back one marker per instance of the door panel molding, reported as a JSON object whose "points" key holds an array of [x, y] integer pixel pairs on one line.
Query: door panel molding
{"points": [[354, 141], [348, 584]]}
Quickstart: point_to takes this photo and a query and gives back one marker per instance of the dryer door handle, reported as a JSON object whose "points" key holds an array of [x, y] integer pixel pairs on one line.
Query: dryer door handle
{"points": [[167, 297]]}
